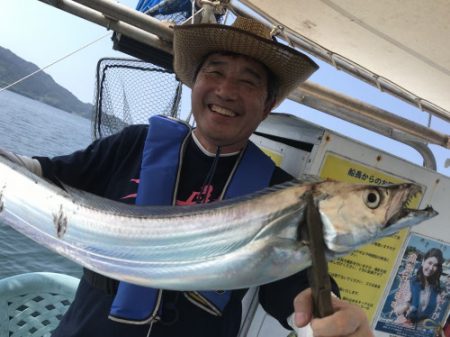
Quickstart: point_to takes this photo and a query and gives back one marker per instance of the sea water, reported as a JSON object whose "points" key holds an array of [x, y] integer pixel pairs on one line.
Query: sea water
{"points": [[33, 128]]}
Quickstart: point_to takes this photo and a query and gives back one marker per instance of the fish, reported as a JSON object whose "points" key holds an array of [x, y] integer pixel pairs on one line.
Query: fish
{"points": [[229, 244]]}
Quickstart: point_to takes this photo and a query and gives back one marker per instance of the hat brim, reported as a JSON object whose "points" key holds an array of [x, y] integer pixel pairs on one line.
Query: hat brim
{"points": [[192, 43]]}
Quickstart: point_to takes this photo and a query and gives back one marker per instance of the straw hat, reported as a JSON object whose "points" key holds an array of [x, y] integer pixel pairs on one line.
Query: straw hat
{"points": [[191, 43]]}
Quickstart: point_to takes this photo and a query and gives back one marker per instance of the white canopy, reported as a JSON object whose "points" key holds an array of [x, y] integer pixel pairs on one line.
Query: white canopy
{"points": [[405, 41]]}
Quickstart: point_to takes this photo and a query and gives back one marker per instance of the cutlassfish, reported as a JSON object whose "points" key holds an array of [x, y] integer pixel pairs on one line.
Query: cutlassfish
{"points": [[229, 244]]}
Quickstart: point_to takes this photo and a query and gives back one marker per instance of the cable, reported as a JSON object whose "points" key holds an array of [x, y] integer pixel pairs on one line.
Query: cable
{"points": [[54, 62]]}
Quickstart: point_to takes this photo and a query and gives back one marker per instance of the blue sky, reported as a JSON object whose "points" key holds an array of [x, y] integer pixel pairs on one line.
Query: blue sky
{"points": [[43, 34]]}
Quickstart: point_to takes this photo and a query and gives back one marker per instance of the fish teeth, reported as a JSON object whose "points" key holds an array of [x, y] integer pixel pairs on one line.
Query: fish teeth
{"points": [[410, 197]]}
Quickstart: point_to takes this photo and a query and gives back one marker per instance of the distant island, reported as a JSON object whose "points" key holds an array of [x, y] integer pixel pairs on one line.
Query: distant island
{"points": [[40, 87]]}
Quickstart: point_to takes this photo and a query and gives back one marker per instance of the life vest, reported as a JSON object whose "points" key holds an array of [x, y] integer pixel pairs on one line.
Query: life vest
{"points": [[161, 163]]}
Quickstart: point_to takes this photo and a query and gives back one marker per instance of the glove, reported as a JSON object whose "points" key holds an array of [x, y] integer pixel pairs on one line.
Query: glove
{"points": [[30, 164]]}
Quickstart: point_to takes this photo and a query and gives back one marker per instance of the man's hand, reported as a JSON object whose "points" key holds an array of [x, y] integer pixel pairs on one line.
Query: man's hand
{"points": [[348, 319]]}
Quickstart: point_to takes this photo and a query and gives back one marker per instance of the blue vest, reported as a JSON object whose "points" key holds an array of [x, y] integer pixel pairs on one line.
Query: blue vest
{"points": [[161, 162]]}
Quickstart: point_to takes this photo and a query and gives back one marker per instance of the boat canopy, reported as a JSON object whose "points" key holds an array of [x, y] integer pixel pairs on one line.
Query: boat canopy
{"points": [[402, 45]]}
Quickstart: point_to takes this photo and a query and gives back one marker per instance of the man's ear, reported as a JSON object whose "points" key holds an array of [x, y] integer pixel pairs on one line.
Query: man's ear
{"points": [[268, 108]]}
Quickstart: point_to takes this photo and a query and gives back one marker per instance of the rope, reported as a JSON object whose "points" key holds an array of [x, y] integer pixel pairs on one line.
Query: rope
{"points": [[54, 62]]}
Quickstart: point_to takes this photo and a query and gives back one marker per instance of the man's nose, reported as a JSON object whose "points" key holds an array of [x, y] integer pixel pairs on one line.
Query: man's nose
{"points": [[227, 89]]}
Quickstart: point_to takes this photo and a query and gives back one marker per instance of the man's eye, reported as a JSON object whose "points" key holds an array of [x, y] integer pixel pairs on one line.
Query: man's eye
{"points": [[249, 82], [214, 72]]}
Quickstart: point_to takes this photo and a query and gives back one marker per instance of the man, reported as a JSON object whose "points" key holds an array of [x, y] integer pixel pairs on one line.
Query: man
{"points": [[237, 75]]}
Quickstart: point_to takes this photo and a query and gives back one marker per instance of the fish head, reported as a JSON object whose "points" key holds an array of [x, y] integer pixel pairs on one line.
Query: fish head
{"points": [[356, 214]]}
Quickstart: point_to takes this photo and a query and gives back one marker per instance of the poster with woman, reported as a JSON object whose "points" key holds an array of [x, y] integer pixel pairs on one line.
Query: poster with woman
{"points": [[417, 303]]}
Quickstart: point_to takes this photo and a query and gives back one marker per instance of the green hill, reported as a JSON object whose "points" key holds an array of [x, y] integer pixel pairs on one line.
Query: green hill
{"points": [[40, 87]]}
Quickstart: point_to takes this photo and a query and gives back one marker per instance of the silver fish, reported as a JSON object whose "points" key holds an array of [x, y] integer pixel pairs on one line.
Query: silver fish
{"points": [[229, 244]]}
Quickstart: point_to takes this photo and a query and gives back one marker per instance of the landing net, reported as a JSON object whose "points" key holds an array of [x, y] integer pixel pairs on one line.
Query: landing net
{"points": [[129, 92]]}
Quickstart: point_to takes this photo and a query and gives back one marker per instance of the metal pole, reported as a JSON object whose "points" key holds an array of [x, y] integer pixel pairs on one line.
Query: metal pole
{"points": [[119, 12], [117, 26], [363, 114]]}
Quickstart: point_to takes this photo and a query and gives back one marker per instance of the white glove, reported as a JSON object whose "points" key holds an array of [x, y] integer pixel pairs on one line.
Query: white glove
{"points": [[306, 331], [30, 164]]}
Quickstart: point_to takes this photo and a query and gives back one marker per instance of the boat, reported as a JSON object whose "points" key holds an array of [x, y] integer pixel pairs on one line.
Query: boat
{"points": [[398, 47]]}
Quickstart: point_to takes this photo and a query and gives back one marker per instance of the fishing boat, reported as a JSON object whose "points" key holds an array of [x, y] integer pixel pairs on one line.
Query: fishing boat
{"points": [[401, 48]]}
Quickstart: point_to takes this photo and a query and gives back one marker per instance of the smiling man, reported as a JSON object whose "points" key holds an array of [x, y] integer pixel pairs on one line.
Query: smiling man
{"points": [[237, 74], [229, 100]]}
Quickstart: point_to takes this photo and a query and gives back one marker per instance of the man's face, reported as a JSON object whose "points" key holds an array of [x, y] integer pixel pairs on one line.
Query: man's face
{"points": [[229, 100]]}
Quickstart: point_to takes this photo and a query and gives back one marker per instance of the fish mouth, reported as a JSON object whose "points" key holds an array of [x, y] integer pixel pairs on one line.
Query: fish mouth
{"points": [[398, 217], [404, 213]]}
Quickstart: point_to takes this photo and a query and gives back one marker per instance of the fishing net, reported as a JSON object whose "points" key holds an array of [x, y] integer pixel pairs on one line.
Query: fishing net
{"points": [[129, 92]]}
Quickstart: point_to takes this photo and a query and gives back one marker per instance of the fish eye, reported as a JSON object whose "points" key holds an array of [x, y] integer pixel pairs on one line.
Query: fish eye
{"points": [[372, 198]]}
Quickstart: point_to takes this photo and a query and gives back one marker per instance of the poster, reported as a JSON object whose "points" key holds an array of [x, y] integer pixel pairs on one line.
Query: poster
{"points": [[417, 303], [363, 274]]}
